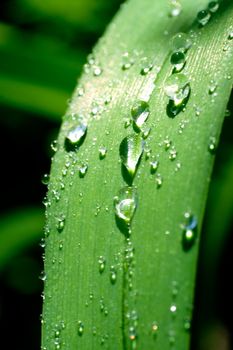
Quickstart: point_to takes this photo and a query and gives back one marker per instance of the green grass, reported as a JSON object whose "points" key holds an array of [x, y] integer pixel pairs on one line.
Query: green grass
{"points": [[141, 297]]}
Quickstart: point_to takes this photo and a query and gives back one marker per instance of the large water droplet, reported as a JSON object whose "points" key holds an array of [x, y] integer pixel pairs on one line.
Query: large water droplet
{"points": [[75, 136], [131, 149], [203, 17], [140, 112], [180, 42], [189, 231], [125, 204]]}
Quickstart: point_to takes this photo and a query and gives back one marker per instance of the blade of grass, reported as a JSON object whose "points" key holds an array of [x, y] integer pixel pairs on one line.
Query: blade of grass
{"points": [[141, 296]]}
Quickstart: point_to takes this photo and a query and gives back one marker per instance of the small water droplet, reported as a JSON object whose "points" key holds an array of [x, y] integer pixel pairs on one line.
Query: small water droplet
{"points": [[131, 149], [146, 66], [54, 146], [212, 87], [102, 263], [146, 133], [45, 179], [80, 328], [102, 152], [178, 60], [75, 136], [230, 36], [173, 309], [155, 328], [127, 61], [159, 180], [203, 17], [125, 204], [177, 89], [154, 166], [213, 6], [212, 146], [97, 71], [187, 325], [60, 223], [80, 91], [189, 231], [43, 276], [140, 113], [132, 333], [175, 8], [172, 154], [113, 274], [83, 170], [180, 42]]}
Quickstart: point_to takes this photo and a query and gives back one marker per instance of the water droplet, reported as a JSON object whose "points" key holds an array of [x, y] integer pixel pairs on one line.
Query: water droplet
{"points": [[146, 133], [159, 180], [178, 60], [177, 89], [230, 36], [97, 71], [102, 263], [131, 149], [60, 223], [173, 309], [83, 170], [80, 328], [203, 17], [189, 231], [180, 42], [175, 9], [172, 154], [43, 276], [125, 204], [75, 136], [146, 66], [140, 112], [187, 325], [155, 328], [213, 6], [212, 87], [45, 179], [102, 152], [212, 145], [154, 166], [113, 274], [127, 61], [80, 91], [132, 333], [54, 146]]}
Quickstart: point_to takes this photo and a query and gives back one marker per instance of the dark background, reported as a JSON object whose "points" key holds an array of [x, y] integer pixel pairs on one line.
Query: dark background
{"points": [[43, 46]]}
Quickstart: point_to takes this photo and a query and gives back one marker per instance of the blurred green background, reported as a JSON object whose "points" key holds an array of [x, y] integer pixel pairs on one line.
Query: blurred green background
{"points": [[43, 46]]}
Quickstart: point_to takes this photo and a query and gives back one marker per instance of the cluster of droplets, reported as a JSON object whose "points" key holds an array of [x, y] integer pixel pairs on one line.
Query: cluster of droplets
{"points": [[204, 16], [177, 85], [93, 66], [129, 59]]}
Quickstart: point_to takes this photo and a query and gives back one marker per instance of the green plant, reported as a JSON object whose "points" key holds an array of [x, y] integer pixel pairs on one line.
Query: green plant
{"points": [[120, 272]]}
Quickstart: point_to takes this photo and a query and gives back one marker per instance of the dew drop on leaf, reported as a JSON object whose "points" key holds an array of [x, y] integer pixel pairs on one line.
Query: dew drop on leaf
{"points": [[102, 263], [140, 113], [230, 36], [80, 328], [180, 42], [60, 223], [154, 166], [203, 17], [75, 136], [159, 180], [125, 204], [131, 149], [178, 60], [102, 152], [213, 6], [113, 274], [175, 8], [189, 231], [83, 170], [45, 179]]}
